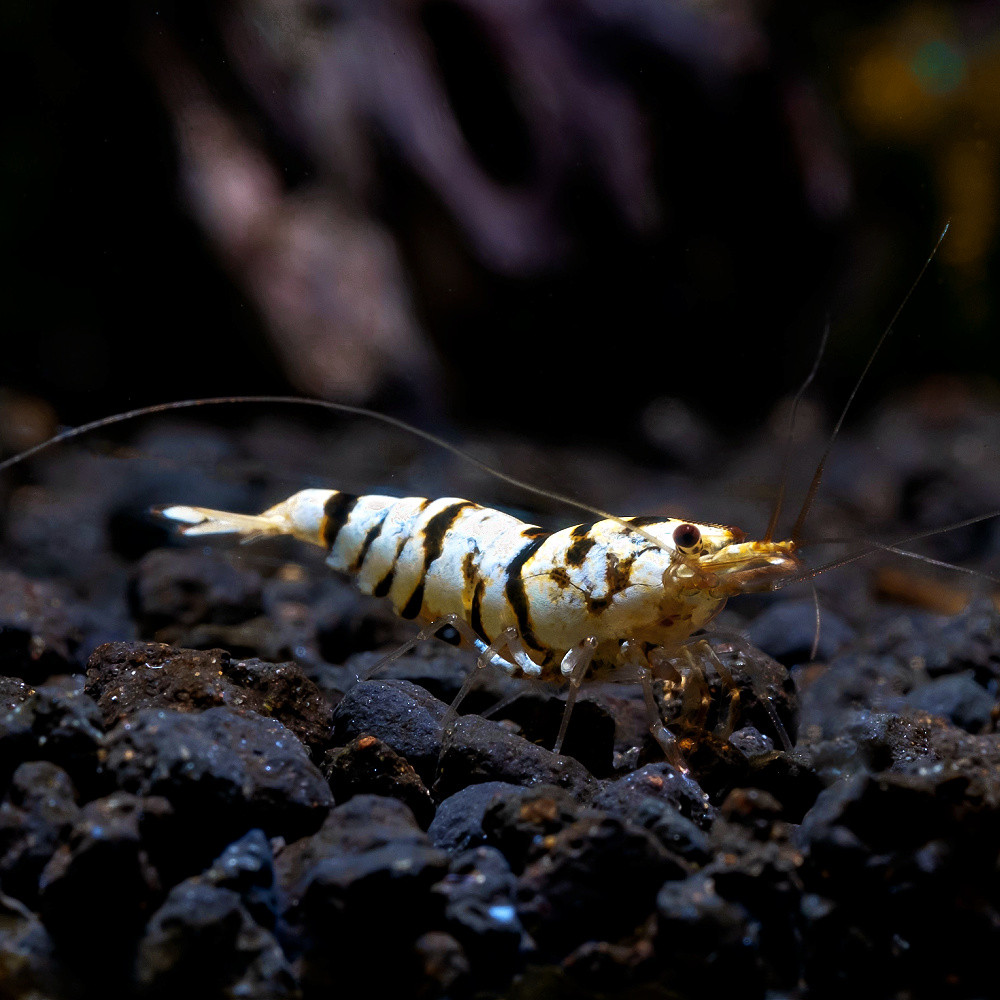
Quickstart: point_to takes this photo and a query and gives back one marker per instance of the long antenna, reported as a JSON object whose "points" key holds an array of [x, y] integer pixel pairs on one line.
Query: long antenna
{"points": [[359, 411], [818, 474], [871, 547]]}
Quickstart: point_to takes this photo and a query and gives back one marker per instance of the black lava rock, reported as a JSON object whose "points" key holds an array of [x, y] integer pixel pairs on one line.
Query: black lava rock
{"points": [[359, 886], [126, 677], [751, 742], [895, 867], [443, 968], [563, 894], [402, 714], [663, 782], [365, 907], [13, 691], [174, 590], [101, 885], [677, 833], [520, 819], [477, 749], [202, 942], [369, 766], [707, 944], [56, 724], [787, 631], [481, 908], [224, 773], [458, 822], [956, 697], [39, 634], [247, 867], [364, 823], [29, 961], [35, 818]]}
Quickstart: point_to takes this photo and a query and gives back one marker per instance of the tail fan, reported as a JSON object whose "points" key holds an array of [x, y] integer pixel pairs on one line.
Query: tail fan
{"points": [[205, 521]]}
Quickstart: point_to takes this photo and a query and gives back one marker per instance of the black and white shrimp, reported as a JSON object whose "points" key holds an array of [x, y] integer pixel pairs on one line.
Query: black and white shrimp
{"points": [[619, 594]]}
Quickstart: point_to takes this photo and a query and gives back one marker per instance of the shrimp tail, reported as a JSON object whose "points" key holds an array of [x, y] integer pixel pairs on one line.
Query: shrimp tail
{"points": [[302, 515], [205, 521]]}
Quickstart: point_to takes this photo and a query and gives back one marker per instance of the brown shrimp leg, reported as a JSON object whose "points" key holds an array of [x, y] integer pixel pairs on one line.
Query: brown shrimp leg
{"points": [[724, 728], [630, 655], [695, 694]]}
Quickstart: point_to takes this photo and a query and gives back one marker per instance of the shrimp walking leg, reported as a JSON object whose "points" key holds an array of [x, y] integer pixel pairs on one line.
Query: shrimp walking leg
{"points": [[659, 731], [695, 694], [634, 663], [489, 656], [724, 728], [763, 697], [574, 665], [429, 632]]}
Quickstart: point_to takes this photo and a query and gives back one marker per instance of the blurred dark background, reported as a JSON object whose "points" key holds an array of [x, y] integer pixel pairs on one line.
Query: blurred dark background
{"points": [[554, 217]]}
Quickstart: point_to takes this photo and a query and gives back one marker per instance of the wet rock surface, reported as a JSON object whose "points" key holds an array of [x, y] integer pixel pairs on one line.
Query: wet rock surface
{"points": [[202, 940], [233, 772], [39, 634], [126, 677], [241, 816], [367, 765]]}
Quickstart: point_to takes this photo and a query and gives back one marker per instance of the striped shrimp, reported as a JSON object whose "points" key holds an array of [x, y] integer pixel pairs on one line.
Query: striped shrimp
{"points": [[622, 594]]}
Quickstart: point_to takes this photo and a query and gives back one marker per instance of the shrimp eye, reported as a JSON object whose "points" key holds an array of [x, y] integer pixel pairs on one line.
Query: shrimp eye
{"points": [[686, 536]]}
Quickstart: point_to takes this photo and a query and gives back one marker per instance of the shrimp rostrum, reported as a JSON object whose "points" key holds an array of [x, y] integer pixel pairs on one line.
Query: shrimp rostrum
{"points": [[619, 596]]}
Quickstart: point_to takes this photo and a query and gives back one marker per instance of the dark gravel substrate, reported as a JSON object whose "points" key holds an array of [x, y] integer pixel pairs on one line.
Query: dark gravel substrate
{"points": [[198, 799]]}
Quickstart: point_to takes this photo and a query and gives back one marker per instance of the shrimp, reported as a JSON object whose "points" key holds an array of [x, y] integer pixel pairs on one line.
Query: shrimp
{"points": [[620, 593]]}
